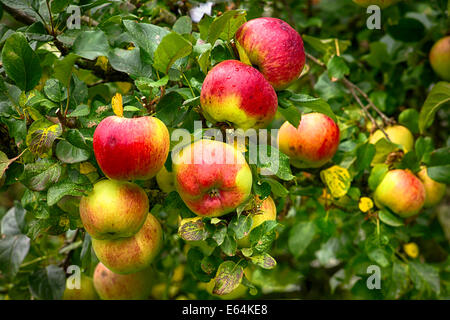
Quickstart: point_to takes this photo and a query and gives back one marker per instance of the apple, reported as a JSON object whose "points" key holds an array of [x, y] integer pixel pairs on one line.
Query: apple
{"points": [[113, 286], [274, 47], [313, 143], [434, 190], [237, 93], [440, 58], [211, 177], [165, 180], [265, 211], [114, 209], [398, 134], [381, 3], [402, 192], [131, 149], [133, 254], [86, 291]]}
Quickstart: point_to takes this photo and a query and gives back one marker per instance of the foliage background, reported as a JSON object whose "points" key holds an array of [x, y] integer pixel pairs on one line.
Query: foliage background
{"points": [[60, 83]]}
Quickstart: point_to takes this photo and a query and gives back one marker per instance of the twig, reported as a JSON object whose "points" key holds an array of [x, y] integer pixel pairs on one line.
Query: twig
{"points": [[66, 261], [353, 87]]}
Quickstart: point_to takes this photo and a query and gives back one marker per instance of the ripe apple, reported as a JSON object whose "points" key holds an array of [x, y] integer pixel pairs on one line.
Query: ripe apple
{"points": [[85, 292], [381, 3], [402, 192], [434, 190], [133, 254], [440, 58], [211, 177], [165, 180], [274, 47], [265, 211], [238, 93], [313, 143], [113, 286], [398, 134], [114, 209], [131, 149]]}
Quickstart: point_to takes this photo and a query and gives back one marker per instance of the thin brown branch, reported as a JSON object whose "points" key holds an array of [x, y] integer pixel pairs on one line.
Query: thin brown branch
{"points": [[66, 262], [353, 87], [19, 15]]}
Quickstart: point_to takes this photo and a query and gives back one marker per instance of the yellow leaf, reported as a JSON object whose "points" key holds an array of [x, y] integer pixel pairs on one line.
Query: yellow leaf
{"points": [[411, 249], [117, 105], [365, 204], [102, 62], [337, 179], [86, 168]]}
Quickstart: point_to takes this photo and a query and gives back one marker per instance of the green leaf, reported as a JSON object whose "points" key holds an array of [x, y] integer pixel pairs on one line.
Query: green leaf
{"points": [[241, 225], [407, 30], [194, 262], [383, 148], [281, 168], [390, 219], [13, 222], [379, 255], [193, 230], [68, 153], [172, 47], [13, 249], [398, 281], [300, 237], [80, 111], [364, 156], [313, 104], [425, 277], [58, 6], [291, 114], [76, 138], [91, 44], [20, 62], [437, 98], [440, 174], [61, 189], [376, 175], [183, 25], [229, 245], [42, 174], [410, 119], [438, 165], [337, 68], [129, 61], [277, 188], [226, 25], [228, 277], [55, 90], [423, 147], [48, 283], [145, 36], [168, 108], [63, 68], [264, 260]]}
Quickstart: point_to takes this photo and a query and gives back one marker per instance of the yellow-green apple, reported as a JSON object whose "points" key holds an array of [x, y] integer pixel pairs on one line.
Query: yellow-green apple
{"points": [[274, 47], [398, 134], [237, 93], [132, 254], [402, 192], [265, 211], [440, 58], [114, 209], [86, 291], [434, 190], [114, 286], [381, 3], [131, 149], [165, 180], [211, 177], [313, 143]]}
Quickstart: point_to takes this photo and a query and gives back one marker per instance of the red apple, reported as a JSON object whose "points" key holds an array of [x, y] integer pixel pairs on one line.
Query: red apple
{"points": [[440, 58], [237, 93], [131, 149], [132, 254], [402, 192], [113, 286], [274, 47], [212, 177], [313, 143], [114, 209]]}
